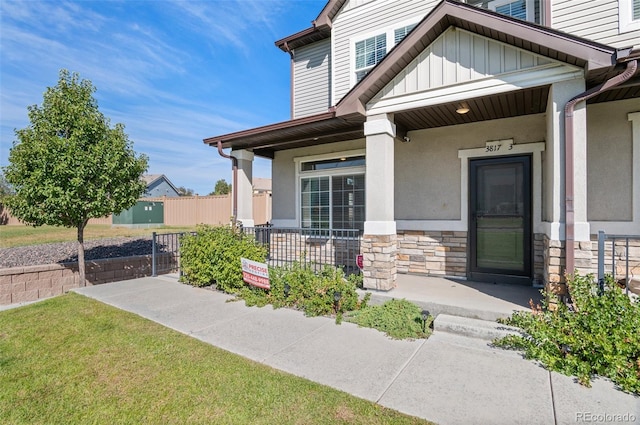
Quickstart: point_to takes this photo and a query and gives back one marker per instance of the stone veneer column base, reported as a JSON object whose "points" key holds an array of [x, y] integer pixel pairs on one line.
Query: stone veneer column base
{"points": [[554, 266], [379, 256]]}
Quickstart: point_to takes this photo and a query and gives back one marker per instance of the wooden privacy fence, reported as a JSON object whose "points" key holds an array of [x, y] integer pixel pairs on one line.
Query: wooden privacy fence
{"points": [[189, 210]]}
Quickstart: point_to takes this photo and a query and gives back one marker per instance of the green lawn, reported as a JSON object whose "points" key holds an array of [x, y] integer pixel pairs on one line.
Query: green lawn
{"points": [[11, 236], [71, 360]]}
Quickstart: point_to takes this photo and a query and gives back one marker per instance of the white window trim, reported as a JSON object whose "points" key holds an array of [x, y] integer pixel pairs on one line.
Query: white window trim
{"points": [[625, 17], [323, 173], [529, 5], [390, 36]]}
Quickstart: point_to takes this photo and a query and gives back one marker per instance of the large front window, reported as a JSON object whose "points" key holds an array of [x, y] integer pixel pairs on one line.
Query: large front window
{"points": [[332, 194]]}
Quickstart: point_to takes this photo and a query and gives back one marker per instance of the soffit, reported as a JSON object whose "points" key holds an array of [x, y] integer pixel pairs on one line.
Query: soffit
{"points": [[308, 131]]}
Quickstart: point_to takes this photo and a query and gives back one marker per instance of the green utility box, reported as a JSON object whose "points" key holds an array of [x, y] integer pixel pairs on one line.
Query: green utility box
{"points": [[142, 214]]}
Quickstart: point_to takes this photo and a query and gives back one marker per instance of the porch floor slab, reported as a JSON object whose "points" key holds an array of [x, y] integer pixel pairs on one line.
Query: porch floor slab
{"points": [[476, 300]]}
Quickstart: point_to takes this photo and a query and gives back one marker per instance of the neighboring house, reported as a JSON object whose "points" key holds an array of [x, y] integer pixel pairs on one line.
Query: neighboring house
{"points": [[468, 139], [158, 185], [261, 185]]}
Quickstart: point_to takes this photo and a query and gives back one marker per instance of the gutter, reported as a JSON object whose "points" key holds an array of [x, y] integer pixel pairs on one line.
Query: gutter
{"points": [[632, 66], [234, 183]]}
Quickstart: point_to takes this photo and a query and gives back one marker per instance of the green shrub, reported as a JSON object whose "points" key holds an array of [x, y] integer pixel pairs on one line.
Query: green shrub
{"points": [[213, 255], [595, 335], [314, 293], [399, 319]]}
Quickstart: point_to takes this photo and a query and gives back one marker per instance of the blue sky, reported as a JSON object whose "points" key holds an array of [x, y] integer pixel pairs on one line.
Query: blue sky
{"points": [[173, 72]]}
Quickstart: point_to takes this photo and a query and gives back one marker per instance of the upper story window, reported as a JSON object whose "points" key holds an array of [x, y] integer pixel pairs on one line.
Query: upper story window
{"points": [[368, 53], [370, 50], [629, 15], [521, 9]]}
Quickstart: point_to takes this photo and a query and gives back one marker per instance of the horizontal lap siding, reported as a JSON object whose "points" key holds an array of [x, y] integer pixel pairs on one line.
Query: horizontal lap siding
{"points": [[595, 20], [311, 87], [352, 22]]}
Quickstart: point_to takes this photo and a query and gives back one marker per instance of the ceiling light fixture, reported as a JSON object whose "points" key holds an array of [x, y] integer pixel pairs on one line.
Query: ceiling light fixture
{"points": [[462, 109]]}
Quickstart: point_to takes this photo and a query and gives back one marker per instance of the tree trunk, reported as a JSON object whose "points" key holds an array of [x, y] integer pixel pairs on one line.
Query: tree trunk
{"points": [[81, 266]]}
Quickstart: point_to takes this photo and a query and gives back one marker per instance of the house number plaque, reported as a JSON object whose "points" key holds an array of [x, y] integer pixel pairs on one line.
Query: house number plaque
{"points": [[499, 145]]}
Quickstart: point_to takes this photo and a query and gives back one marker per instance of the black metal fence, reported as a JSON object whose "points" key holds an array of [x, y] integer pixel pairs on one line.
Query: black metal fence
{"points": [[165, 252], [624, 249], [313, 247]]}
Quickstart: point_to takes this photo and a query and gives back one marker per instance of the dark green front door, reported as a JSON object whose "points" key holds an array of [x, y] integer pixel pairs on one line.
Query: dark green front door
{"points": [[500, 220]]}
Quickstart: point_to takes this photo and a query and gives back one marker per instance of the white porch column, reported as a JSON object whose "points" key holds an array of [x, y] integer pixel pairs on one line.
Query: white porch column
{"points": [[245, 186], [554, 182], [379, 243]]}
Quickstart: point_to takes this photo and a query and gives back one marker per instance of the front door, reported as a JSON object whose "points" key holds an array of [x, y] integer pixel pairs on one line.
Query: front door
{"points": [[500, 220]]}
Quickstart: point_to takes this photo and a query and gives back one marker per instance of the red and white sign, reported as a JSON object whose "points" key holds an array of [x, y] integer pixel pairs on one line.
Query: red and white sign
{"points": [[254, 273], [360, 261]]}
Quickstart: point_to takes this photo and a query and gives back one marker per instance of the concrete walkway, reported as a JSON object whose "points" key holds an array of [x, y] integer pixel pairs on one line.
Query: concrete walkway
{"points": [[448, 379]]}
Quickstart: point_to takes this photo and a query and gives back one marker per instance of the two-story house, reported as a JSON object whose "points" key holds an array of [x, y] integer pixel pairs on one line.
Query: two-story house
{"points": [[487, 140]]}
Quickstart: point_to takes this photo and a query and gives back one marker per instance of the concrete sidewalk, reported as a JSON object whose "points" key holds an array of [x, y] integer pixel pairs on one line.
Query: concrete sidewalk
{"points": [[448, 379]]}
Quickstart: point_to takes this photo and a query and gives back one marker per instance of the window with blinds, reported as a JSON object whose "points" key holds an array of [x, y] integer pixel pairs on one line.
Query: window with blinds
{"points": [[368, 53], [400, 33], [521, 9]]}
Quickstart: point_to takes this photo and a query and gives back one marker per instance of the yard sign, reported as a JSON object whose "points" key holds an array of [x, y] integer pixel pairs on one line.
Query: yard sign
{"points": [[254, 273]]}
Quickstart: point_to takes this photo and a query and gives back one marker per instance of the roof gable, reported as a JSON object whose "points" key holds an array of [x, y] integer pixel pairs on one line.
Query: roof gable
{"points": [[538, 41]]}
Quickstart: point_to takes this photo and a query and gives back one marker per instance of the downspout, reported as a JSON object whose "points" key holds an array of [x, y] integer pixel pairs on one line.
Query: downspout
{"points": [[632, 66], [234, 183]]}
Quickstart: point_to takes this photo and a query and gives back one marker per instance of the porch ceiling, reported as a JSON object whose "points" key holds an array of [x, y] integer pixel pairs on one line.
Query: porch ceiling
{"points": [[504, 105]]}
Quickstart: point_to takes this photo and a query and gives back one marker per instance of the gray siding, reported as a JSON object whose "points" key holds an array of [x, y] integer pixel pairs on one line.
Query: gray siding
{"points": [[312, 79], [160, 188], [353, 21], [593, 19]]}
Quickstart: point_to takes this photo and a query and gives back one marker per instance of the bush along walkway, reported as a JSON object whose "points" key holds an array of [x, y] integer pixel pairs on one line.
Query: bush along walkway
{"points": [[596, 333], [212, 256]]}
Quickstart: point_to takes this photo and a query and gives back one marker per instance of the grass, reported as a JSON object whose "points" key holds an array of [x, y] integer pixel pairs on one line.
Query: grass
{"points": [[72, 360], [19, 235]]}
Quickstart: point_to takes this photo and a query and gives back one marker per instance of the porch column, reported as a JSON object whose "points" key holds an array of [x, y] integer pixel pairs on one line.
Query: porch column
{"points": [[554, 182], [379, 243], [245, 186]]}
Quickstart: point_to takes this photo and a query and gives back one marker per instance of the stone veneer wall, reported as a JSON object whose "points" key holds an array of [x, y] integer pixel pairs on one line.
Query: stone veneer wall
{"points": [[379, 261], [620, 254], [437, 253], [20, 284]]}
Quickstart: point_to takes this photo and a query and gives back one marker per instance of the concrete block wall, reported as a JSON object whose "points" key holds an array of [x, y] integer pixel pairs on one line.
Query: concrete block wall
{"points": [[20, 284]]}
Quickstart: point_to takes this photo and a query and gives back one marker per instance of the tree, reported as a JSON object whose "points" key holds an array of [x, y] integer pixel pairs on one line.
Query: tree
{"points": [[221, 188], [185, 191], [69, 165]]}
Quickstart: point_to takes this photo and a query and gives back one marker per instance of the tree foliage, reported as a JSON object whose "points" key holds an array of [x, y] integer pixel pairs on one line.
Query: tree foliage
{"points": [[185, 191], [221, 188], [69, 165]]}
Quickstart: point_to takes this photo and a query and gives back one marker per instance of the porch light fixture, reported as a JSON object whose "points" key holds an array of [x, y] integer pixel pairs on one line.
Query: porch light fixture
{"points": [[462, 109]]}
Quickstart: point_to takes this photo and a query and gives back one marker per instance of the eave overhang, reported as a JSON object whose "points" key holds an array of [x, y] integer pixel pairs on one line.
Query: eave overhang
{"points": [[307, 131]]}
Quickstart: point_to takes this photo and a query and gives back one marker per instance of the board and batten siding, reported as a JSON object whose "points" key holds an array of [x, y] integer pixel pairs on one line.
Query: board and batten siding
{"points": [[595, 20], [459, 56], [312, 79], [357, 20]]}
